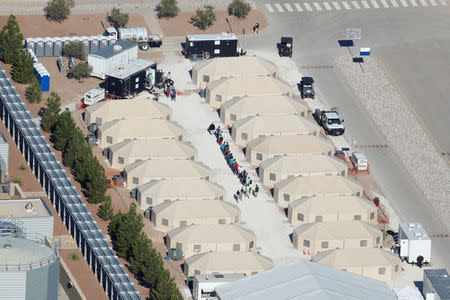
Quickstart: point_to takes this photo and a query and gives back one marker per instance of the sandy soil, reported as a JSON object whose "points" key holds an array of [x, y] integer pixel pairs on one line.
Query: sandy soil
{"points": [[180, 25], [75, 25]]}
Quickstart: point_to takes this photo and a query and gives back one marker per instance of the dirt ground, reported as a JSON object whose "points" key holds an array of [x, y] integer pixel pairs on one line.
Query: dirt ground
{"points": [[75, 25], [180, 25]]}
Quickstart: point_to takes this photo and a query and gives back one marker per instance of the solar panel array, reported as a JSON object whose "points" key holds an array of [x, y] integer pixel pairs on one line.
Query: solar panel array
{"points": [[63, 194]]}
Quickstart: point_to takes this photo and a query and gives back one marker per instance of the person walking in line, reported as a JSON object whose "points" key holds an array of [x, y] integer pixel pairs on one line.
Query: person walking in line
{"points": [[220, 140], [249, 190], [217, 132], [211, 128], [255, 191], [236, 197], [236, 166], [241, 193]]}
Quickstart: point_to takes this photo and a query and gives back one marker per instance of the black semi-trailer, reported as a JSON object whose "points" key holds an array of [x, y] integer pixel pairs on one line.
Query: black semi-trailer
{"points": [[212, 45]]}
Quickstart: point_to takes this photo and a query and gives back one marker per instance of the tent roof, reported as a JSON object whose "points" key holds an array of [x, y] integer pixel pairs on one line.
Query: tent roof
{"points": [[305, 280], [236, 66], [182, 188], [332, 204], [142, 127], [290, 144], [308, 162], [264, 104], [167, 168], [233, 261], [337, 230], [153, 148], [133, 108], [196, 209], [212, 233], [356, 257], [319, 185], [235, 86], [284, 124]]}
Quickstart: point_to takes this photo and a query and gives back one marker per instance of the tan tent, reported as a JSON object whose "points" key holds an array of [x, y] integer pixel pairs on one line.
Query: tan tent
{"points": [[194, 239], [225, 89], [250, 128], [173, 214], [267, 147], [127, 152], [294, 188], [143, 128], [248, 263], [106, 111], [376, 263], [313, 238], [280, 167], [158, 191], [331, 209], [153, 169], [248, 106], [210, 70]]}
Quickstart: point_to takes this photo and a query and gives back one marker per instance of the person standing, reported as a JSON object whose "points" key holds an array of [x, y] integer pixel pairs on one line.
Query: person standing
{"points": [[211, 128], [256, 190]]}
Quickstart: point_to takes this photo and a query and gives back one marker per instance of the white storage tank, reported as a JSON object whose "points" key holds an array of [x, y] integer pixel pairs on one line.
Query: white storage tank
{"points": [[28, 270], [415, 244], [138, 33]]}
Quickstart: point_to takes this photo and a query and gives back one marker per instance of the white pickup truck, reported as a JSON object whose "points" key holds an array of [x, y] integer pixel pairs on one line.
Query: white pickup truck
{"points": [[330, 121]]}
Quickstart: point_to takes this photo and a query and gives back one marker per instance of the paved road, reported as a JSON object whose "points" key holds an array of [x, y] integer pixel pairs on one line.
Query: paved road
{"points": [[412, 41]]}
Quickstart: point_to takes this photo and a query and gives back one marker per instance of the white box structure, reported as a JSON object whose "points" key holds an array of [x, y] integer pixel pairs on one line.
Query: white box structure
{"points": [[414, 242], [203, 287]]}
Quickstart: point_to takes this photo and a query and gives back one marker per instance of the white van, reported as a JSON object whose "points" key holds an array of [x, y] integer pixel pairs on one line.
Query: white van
{"points": [[359, 160]]}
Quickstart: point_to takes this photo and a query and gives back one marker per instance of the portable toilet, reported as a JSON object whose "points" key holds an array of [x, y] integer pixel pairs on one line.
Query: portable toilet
{"points": [[94, 44], [48, 46], [57, 46], [112, 40], [85, 40], [103, 42], [35, 60], [44, 76], [30, 44], [39, 50]]}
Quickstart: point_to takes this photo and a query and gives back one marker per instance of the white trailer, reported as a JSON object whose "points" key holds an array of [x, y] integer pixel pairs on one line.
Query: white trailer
{"points": [[415, 244], [93, 96]]}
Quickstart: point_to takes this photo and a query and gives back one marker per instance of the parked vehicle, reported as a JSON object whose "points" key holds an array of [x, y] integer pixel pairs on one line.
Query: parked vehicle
{"points": [[330, 121], [91, 139], [138, 34], [175, 254], [212, 45], [307, 88], [359, 160], [285, 48], [93, 96]]}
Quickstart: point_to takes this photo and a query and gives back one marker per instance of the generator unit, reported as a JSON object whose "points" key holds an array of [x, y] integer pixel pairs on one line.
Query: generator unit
{"points": [[212, 45], [415, 244]]}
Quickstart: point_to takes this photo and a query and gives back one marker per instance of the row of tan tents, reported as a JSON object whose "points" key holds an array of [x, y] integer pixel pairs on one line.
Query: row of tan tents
{"points": [[162, 168], [332, 219]]}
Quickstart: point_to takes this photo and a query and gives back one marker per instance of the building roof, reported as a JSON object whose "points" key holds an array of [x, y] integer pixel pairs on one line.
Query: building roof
{"points": [[273, 125], [154, 149], [337, 230], [236, 66], [125, 71], [290, 144], [319, 185], [305, 280], [356, 257], [332, 204], [218, 278], [175, 188], [188, 209], [214, 36], [263, 105], [440, 280], [168, 168], [23, 252], [292, 164], [132, 108], [109, 51], [237, 86], [142, 127], [18, 208], [232, 262], [212, 233]]}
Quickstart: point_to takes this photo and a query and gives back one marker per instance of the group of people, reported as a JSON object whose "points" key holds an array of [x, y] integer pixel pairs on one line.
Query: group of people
{"points": [[237, 169], [256, 28], [169, 88]]}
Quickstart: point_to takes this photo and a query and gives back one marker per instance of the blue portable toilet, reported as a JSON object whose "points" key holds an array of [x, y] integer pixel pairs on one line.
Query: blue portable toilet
{"points": [[94, 44], [57, 46], [30, 44], [43, 76], [48, 46], [39, 50], [85, 40]]}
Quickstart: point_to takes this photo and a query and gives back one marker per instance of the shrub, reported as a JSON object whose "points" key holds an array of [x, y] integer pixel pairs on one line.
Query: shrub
{"points": [[75, 49], [59, 10], [74, 256], [22, 167], [239, 8], [19, 181], [50, 116], [10, 41], [168, 9], [105, 211], [204, 17], [23, 68], [117, 18], [33, 92], [81, 71]]}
